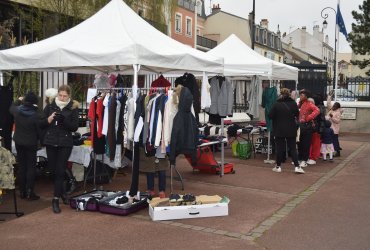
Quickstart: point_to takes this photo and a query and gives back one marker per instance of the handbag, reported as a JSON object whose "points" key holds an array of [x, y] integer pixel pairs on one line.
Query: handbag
{"points": [[306, 126]]}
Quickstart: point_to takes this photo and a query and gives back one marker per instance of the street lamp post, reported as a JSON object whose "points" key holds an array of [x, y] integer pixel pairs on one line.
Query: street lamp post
{"points": [[325, 25]]}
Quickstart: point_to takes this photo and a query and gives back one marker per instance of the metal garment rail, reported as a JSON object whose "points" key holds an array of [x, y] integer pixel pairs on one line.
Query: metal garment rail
{"points": [[133, 189]]}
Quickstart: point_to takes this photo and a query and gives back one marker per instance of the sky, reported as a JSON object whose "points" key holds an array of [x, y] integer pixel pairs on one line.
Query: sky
{"points": [[293, 14]]}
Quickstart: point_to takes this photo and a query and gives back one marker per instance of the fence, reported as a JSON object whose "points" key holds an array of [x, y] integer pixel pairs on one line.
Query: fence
{"points": [[358, 87]]}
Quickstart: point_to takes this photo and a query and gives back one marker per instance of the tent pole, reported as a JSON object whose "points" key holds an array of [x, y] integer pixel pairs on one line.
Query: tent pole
{"points": [[222, 148], [268, 161]]}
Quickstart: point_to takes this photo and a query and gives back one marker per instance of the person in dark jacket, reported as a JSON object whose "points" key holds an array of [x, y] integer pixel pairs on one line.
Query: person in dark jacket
{"points": [[60, 120], [184, 134], [283, 115], [26, 138], [327, 138]]}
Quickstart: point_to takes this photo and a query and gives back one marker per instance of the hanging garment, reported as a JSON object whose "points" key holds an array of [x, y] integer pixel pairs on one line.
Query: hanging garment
{"points": [[269, 97], [222, 97], [160, 82], [184, 135], [111, 132], [122, 100], [6, 119], [188, 80], [7, 160]]}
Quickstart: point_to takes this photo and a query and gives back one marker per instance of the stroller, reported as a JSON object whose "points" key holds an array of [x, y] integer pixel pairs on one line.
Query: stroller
{"points": [[206, 162]]}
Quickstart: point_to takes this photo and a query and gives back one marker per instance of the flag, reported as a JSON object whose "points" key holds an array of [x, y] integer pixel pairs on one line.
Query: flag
{"points": [[340, 23]]}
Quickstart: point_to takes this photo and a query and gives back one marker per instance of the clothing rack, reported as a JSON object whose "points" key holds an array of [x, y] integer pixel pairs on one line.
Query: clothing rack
{"points": [[135, 149], [15, 212]]}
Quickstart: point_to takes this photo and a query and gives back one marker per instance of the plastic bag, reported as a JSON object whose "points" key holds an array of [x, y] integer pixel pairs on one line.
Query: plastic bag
{"points": [[244, 149]]}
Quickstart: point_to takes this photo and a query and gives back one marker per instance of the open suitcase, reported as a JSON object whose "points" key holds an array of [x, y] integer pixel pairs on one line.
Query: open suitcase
{"points": [[105, 205], [88, 201], [207, 163]]}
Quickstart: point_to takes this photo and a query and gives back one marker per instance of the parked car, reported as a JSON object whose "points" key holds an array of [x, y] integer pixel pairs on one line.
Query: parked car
{"points": [[343, 95]]}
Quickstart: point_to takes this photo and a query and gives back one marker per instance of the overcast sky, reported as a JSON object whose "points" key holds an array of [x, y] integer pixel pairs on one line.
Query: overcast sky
{"points": [[293, 14]]}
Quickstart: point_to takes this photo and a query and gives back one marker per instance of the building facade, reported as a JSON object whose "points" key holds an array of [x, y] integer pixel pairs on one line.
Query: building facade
{"points": [[314, 44], [268, 43]]}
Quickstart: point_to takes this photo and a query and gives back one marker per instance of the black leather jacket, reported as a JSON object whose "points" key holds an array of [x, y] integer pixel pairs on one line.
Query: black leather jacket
{"points": [[59, 134]]}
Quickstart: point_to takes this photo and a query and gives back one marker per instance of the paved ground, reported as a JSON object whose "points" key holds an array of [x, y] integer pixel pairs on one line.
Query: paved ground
{"points": [[327, 208]]}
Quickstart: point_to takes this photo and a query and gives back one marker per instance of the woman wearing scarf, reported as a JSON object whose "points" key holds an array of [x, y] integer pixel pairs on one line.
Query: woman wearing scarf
{"points": [[60, 120]]}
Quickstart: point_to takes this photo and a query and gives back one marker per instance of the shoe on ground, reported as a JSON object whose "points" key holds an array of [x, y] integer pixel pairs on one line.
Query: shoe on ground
{"points": [[277, 169], [162, 195], [31, 196], [331, 159], [299, 170], [303, 164], [55, 206], [311, 162]]}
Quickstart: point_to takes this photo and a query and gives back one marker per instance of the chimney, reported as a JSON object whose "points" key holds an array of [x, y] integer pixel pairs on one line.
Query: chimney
{"points": [[317, 33], [327, 39], [264, 23], [216, 8]]}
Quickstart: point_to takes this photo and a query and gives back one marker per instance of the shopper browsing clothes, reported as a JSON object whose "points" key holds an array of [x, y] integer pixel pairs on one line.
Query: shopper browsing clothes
{"points": [[334, 116], [26, 138], [307, 113], [60, 120], [283, 115], [50, 95]]}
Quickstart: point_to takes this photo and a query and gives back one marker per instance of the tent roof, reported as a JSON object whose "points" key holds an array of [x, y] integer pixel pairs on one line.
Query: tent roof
{"points": [[113, 39], [241, 60]]}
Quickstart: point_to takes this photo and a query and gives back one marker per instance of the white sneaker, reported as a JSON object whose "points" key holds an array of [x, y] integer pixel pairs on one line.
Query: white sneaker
{"points": [[311, 162], [299, 170], [277, 169], [303, 164]]}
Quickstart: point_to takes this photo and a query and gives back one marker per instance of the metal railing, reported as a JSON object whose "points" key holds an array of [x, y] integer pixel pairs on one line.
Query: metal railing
{"points": [[206, 42]]}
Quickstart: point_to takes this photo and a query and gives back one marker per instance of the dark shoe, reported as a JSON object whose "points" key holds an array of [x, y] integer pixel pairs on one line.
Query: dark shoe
{"points": [[55, 205], [337, 154], [65, 199], [73, 186], [31, 196], [23, 194]]}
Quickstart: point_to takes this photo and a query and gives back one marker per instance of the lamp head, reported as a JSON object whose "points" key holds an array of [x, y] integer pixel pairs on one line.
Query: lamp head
{"points": [[325, 24]]}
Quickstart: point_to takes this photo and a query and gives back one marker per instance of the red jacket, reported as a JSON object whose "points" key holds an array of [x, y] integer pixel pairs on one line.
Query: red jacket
{"points": [[308, 111]]}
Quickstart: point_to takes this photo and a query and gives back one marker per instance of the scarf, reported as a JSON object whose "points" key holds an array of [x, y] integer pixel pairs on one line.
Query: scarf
{"points": [[61, 104]]}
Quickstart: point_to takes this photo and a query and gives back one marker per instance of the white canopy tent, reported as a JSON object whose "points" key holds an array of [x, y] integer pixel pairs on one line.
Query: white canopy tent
{"points": [[241, 60], [112, 40]]}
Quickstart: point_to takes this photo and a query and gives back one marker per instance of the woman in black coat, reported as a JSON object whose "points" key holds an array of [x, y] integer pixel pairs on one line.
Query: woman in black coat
{"points": [[60, 120], [283, 115], [26, 138]]}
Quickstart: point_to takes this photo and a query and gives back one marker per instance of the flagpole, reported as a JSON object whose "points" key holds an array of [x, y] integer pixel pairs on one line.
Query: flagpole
{"points": [[336, 46]]}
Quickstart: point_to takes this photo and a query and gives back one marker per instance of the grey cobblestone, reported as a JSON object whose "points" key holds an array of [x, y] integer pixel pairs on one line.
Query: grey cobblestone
{"points": [[209, 230], [234, 235], [221, 232], [197, 228]]}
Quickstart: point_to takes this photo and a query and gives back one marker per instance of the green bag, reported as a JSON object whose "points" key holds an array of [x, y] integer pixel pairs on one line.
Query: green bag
{"points": [[234, 148], [244, 149]]}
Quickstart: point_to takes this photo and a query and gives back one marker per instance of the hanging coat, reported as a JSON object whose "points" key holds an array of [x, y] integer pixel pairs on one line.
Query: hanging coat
{"points": [[269, 97], [184, 135]]}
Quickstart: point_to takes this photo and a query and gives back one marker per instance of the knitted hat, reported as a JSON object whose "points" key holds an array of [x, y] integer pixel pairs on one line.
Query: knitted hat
{"points": [[51, 93], [31, 98]]}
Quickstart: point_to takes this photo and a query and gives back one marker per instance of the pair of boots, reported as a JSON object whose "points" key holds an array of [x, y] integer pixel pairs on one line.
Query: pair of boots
{"points": [[29, 194], [71, 181], [55, 203]]}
